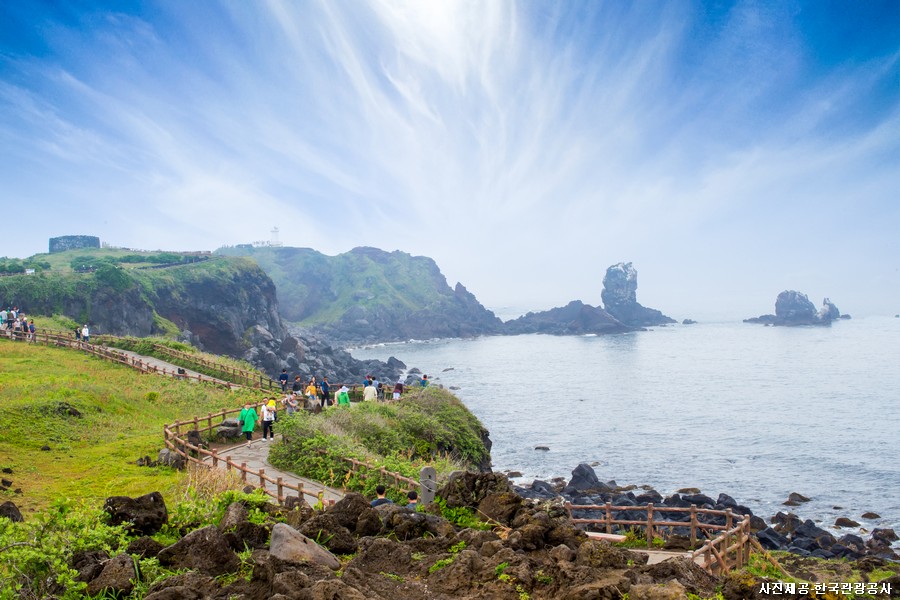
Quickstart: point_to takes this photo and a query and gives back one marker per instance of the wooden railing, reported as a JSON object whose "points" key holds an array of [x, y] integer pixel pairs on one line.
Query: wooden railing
{"points": [[175, 433], [51, 338], [253, 379], [717, 555]]}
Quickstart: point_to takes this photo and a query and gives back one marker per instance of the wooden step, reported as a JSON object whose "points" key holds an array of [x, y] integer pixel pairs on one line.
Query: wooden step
{"points": [[610, 537]]}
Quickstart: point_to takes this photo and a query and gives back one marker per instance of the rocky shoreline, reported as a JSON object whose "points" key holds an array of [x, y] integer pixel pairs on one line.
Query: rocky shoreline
{"points": [[783, 531]]}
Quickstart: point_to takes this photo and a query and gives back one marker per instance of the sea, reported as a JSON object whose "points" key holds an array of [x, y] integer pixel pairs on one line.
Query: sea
{"points": [[752, 411]]}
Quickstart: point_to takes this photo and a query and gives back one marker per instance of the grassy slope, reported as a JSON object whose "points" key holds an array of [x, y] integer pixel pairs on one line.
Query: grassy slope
{"points": [[349, 280], [91, 457]]}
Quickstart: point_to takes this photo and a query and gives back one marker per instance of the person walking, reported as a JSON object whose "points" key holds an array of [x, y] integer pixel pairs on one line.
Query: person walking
{"points": [[247, 419], [326, 392], [370, 394], [398, 389], [86, 334], [343, 398], [268, 420], [311, 400]]}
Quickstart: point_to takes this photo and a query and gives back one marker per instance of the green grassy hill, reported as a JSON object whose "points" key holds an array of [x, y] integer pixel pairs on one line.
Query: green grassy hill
{"points": [[91, 456], [369, 294], [218, 299]]}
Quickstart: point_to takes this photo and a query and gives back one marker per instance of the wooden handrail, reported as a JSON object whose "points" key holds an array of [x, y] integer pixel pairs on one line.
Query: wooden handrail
{"points": [[714, 552]]}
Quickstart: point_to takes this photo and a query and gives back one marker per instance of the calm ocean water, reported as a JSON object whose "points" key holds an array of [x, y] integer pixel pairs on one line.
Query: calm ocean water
{"points": [[755, 412]]}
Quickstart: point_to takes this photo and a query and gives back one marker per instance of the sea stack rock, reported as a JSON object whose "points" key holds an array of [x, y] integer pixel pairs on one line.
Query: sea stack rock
{"points": [[620, 298], [795, 308]]}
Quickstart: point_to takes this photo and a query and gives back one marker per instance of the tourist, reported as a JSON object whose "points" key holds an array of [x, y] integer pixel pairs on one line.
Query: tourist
{"points": [[268, 419], [412, 500], [380, 499], [31, 330], [398, 389], [377, 385], [86, 334], [326, 392], [247, 419], [369, 392], [424, 381], [312, 400], [297, 388], [78, 334], [290, 402], [283, 379], [343, 397]]}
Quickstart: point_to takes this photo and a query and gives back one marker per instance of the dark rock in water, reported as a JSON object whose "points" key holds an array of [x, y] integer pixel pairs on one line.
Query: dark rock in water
{"points": [[810, 531], [10, 511], [575, 318], [144, 515], [688, 490], [545, 448], [771, 539], [619, 297], [786, 523], [689, 322], [583, 479], [795, 308], [795, 497], [886, 535], [726, 501], [513, 474], [699, 499], [871, 515], [845, 522], [649, 497]]}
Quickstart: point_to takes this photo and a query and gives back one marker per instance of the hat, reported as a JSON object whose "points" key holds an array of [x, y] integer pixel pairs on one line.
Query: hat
{"points": [[344, 389], [271, 403]]}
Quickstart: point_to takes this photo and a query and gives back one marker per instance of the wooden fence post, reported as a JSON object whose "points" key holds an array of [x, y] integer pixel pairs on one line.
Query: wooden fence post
{"points": [[693, 525], [649, 525], [262, 478], [244, 472], [609, 517]]}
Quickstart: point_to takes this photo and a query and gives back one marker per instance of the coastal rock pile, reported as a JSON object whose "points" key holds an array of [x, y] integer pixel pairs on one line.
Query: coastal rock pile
{"points": [[620, 298], [786, 532], [794, 308], [391, 552]]}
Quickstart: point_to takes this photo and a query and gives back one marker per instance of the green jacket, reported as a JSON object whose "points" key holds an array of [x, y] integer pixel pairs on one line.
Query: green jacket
{"points": [[248, 419]]}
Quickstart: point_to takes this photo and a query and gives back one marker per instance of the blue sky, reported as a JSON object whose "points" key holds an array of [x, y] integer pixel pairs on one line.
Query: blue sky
{"points": [[729, 150]]}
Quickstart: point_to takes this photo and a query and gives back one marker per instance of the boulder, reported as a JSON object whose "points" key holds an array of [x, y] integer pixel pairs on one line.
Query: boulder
{"points": [[235, 514], [500, 507], [348, 509], [465, 488], [327, 531], [845, 522], [671, 590], [116, 578], [585, 479], [619, 297], [187, 586], [290, 545], [693, 578], [770, 539], [144, 547], [88, 564], [205, 550], [8, 510], [169, 458], [144, 515]]}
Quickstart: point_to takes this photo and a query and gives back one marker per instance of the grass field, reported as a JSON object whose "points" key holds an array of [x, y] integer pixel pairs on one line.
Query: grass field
{"points": [[93, 455]]}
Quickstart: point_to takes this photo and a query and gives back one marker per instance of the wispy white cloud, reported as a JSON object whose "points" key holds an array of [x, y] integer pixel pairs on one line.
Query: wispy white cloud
{"points": [[524, 146]]}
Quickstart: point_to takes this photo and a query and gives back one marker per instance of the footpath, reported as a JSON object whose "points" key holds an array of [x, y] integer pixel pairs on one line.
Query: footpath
{"points": [[256, 456]]}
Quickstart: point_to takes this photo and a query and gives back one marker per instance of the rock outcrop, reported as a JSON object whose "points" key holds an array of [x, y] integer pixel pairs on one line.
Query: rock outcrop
{"points": [[620, 298], [794, 308], [575, 318]]}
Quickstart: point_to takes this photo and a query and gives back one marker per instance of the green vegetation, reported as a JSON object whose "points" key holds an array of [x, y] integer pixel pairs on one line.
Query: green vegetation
{"points": [[443, 562], [155, 346], [35, 555], [427, 427], [315, 289], [93, 455]]}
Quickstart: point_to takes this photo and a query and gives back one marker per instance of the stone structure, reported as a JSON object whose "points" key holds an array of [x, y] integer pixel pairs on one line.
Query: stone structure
{"points": [[73, 242], [619, 297]]}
